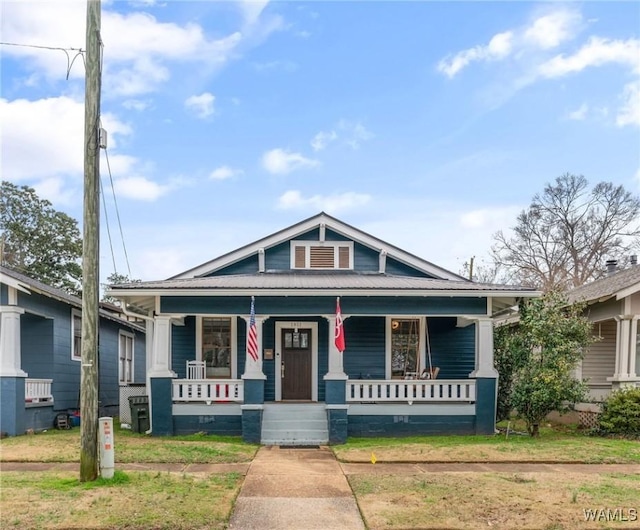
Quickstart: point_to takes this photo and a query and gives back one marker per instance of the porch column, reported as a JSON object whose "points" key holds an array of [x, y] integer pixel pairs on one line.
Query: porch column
{"points": [[626, 349], [335, 388], [12, 377], [10, 358], [160, 379], [336, 365], [254, 379], [161, 354], [486, 378], [484, 349]]}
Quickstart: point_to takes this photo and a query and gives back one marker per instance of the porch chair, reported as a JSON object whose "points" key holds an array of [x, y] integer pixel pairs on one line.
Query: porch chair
{"points": [[196, 370], [430, 373]]}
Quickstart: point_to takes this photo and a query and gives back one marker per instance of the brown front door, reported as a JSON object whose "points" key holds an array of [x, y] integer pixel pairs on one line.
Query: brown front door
{"points": [[296, 361]]}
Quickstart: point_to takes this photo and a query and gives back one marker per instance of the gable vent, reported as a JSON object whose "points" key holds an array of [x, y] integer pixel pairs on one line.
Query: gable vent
{"points": [[321, 257]]}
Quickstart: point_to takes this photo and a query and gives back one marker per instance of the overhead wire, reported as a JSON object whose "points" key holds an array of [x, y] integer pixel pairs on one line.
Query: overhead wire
{"points": [[79, 52]]}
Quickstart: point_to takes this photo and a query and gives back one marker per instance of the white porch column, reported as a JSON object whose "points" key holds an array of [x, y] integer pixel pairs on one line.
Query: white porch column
{"points": [[626, 349], [160, 365], [253, 368], [484, 349], [336, 365], [10, 358]]}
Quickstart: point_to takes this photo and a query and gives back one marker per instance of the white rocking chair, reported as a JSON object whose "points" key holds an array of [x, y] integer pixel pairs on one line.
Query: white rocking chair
{"points": [[196, 370]]}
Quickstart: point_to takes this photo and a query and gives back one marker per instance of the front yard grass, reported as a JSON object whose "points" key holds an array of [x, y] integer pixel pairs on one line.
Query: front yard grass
{"points": [[550, 501], [137, 500], [64, 446], [555, 444]]}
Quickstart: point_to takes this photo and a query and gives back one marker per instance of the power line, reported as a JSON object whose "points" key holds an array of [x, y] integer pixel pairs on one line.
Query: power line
{"points": [[115, 202], [79, 52]]}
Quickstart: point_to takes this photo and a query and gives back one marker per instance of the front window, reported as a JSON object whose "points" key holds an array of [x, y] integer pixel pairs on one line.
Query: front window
{"points": [[405, 347], [125, 354], [76, 335], [217, 346]]}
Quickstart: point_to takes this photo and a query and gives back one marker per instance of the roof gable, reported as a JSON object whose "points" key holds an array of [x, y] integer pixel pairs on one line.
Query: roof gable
{"points": [[311, 228]]}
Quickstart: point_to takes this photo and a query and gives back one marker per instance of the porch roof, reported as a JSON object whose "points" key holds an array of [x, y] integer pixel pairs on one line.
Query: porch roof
{"points": [[312, 283]]}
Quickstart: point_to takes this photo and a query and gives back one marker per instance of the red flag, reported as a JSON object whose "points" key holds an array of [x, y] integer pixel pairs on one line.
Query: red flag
{"points": [[339, 330], [252, 334]]}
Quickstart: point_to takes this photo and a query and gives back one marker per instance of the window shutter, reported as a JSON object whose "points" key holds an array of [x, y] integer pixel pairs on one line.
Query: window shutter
{"points": [[299, 260], [322, 258], [343, 257]]}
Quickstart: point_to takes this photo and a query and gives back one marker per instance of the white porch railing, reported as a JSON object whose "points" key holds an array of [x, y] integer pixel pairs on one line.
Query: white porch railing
{"points": [[208, 390], [414, 391], [38, 391]]}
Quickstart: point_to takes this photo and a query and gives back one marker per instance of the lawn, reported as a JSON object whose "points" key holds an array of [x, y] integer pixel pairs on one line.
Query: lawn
{"points": [[555, 444], [455, 500], [64, 446]]}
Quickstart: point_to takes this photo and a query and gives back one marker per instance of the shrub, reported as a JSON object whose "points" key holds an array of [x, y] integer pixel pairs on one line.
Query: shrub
{"points": [[621, 413]]}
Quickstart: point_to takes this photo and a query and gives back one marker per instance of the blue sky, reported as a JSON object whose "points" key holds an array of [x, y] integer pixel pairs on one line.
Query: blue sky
{"points": [[427, 124]]}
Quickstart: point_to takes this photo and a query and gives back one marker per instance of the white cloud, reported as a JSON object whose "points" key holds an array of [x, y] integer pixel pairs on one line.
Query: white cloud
{"points": [[224, 173], [629, 112], [293, 200], [322, 139], [354, 133], [545, 32], [140, 188], [498, 47], [42, 138], [579, 114], [201, 105], [551, 30], [596, 52], [280, 161], [136, 104]]}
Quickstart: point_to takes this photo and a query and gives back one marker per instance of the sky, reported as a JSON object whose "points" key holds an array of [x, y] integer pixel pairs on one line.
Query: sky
{"points": [[429, 125]]}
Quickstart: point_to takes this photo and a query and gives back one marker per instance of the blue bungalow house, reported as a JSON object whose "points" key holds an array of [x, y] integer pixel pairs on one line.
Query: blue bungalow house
{"points": [[418, 355], [40, 335]]}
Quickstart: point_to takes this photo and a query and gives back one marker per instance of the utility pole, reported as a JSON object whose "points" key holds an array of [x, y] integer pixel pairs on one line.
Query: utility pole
{"points": [[90, 249], [471, 267]]}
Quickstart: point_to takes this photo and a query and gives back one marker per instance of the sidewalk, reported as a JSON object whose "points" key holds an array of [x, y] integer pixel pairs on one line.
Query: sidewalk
{"points": [[294, 489]]}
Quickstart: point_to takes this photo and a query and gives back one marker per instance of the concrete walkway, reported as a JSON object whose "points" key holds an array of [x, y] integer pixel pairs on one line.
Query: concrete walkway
{"points": [[295, 489]]}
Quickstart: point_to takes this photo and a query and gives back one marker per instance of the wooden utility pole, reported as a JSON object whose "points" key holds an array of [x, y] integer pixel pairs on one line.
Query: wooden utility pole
{"points": [[90, 250]]}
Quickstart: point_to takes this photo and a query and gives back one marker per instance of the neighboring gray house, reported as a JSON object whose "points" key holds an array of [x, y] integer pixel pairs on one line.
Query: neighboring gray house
{"points": [[419, 341], [613, 305], [40, 333]]}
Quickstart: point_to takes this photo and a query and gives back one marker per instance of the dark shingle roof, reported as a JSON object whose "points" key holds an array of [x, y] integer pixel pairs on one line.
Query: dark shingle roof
{"points": [[606, 287]]}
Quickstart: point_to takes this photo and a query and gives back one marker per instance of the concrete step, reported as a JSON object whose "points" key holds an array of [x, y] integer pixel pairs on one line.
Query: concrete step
{"points": [[294, 424]]}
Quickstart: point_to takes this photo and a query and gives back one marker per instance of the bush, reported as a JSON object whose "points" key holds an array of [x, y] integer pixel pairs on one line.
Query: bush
{"points": [[621, 413]]}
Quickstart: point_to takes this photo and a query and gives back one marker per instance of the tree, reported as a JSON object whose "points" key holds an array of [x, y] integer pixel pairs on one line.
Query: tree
{"points": [[37, 240], [545, 348], [563, 238], [115, 278]]}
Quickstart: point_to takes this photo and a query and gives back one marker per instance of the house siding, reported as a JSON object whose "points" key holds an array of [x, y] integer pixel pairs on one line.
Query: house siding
{"points": [[365, 354], [303, 305], [452, 348], [600, 359], [183, 346]]}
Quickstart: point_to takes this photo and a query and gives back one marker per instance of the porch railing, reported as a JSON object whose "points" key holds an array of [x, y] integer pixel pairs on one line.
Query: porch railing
{"points": [[413, 391], [208, 390], [38, 391]]}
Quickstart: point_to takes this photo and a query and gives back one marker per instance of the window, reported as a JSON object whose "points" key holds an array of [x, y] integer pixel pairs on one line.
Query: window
{"points": [[322, 255], [125, 356], [76, 335], [405, 347], [217, 346]]}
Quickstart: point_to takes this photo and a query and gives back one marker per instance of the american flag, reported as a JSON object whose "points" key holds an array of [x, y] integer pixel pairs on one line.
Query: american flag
{"points": [[339, 329], [252, 334]]}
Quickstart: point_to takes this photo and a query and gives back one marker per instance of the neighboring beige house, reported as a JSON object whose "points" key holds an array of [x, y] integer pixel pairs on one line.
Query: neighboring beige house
{"points": [[613, 305]]}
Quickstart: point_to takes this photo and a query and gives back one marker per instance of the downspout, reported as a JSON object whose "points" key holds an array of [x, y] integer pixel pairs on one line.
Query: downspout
{"points": [[148, 319]]}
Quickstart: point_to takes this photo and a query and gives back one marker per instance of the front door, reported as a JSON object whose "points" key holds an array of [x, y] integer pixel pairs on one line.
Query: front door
{"points": [[296, 363]]}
